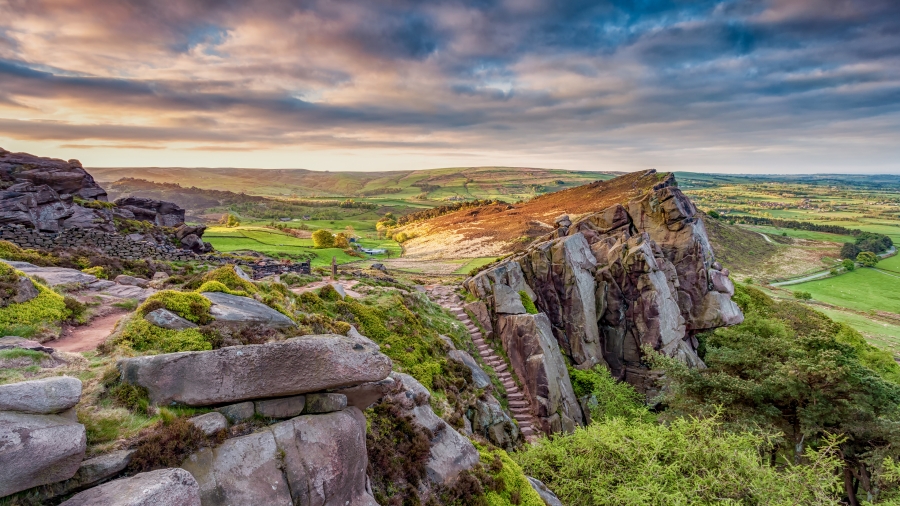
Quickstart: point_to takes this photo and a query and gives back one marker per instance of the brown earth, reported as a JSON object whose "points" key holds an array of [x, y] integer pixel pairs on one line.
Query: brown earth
{"points": [[503, 228], [87, 337]]}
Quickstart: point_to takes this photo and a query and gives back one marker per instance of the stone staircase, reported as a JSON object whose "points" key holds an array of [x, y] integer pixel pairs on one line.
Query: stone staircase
{"points": [[519, 406]]}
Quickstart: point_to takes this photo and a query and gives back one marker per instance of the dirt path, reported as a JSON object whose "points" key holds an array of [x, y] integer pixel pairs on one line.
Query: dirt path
{"points": [[87, 337], [346, 284]]}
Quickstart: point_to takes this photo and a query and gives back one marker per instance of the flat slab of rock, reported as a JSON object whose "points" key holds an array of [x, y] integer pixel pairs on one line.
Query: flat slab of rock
{"points": [[168, 320], [91, 472], [364, 395], [123, 279], [234, 308], [129, 292], [238, 373], [38, 449], [165, 487], [10, 342], [209, 423], [285, 407], [44, 396], [324, 403], [100, 284], [54, 275]]}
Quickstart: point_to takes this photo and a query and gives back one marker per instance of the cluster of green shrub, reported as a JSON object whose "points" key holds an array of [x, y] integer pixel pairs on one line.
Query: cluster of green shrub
{"points": [[793, 408]]}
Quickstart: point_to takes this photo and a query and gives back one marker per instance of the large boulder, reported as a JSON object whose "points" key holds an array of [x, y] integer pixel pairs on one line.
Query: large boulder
{"points": [[308, 460], [158, 212], [479, 378], [165, 487], [234, 308], [44, 396], [38, 449], [296, 366], [489, 420], [91, 472], [38, 193], [168, 320], [537, 361]]}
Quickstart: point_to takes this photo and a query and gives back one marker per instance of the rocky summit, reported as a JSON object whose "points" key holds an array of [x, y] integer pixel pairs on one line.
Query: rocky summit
{"points": [[605, 285]]}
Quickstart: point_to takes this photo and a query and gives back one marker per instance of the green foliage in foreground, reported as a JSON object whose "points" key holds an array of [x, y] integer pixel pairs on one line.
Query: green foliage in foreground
{"points": [[228, 277], [48, 307], [515, 487], [216, 286], [190, 306], [790, 370], [608, 398], [142, 336], [691, 461]]}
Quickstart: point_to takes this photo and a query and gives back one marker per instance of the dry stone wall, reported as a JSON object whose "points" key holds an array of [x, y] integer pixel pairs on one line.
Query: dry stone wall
{"points": [[111, 244]]}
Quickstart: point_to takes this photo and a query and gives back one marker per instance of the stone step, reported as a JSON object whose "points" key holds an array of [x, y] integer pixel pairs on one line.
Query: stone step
{"points": [[518, 404], [500, 368], [477, 335], [478, 340]]}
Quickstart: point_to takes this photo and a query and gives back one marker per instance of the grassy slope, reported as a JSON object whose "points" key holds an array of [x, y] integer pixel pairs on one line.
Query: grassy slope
{"points": [[736, 248]]}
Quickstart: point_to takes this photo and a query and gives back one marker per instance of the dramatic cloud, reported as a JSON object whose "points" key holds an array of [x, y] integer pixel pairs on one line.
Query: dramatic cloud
{"points": [[739, 85]]}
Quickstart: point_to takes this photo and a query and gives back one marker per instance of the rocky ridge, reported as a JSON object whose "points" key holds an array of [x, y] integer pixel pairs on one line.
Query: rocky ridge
{"points": [[637, 274]]}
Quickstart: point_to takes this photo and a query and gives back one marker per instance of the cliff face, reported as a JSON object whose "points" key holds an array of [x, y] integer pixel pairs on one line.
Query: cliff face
{"points": [[637, 273]]}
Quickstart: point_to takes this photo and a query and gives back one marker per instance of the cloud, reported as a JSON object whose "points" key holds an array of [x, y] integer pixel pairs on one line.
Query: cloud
{"points": [[576, 80]]}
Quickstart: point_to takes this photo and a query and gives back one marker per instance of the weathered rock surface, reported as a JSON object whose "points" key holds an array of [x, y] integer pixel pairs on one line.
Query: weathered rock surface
{"points": [[365, 395], [38, 449], [43, 396], [239, 412], [190, 238], [123, 279], [39, 193], [480, 310], [537, 361], [637, 273], [324, 403], [308, 460], [234, 308], [90, 473], [451, 452], [10, 342], [168, 320], [54, 276], [296, 366], [158, 212], [165, 487], [479, 378], [547, 495], [284, 407], [209, 423], [489, 420], [129, 292], [25, 290]]}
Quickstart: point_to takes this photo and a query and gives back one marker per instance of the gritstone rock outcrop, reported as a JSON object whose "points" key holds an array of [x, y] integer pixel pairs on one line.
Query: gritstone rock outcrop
{"points": [[639, 273]]}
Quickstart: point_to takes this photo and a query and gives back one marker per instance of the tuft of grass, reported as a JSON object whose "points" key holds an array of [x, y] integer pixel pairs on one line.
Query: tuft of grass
{"points": [[127, 304], [14, 353], [216, 286], [230, 279], [190, 306], [530, 308]]}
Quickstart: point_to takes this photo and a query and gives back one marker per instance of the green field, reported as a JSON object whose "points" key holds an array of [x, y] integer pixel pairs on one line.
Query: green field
{"points": [[273, 242], [863, 289], [474, 264], [884, 335]]}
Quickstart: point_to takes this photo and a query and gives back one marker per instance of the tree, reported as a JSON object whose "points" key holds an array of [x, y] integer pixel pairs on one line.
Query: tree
{"points": [[341, 241], [848, 265], [323, 239], [802, 295], [867, 259], [849, 250], [714, 215], [229, 220]]}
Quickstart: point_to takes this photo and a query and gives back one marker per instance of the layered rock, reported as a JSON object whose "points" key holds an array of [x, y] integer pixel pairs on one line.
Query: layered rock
{"points": [[639, 273], [240, 373], [40, 193], [237, 309], [158, 212]]}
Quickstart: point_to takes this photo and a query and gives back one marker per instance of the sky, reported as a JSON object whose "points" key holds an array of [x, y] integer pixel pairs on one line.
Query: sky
{"points": [[745, 86]]}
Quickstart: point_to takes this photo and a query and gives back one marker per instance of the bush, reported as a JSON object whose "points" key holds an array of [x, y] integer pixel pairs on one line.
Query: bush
{"points": [[48, 307], [802, 295], [228, 277], [867, 259], [11, 251], [98, 271], [141, 335], [188, 305], [229, 220], [216, 286], [848, 265], [608, 398], [167, 445], [329, 293], [691, 461], [849, 250], [75, 308], [323, 239], [530, 308]]}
